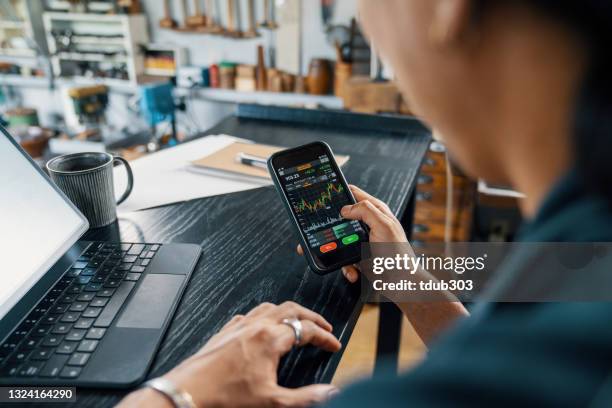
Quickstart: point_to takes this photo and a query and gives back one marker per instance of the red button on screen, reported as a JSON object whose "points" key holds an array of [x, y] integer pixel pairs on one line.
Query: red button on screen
{"points": [[328, 247]]}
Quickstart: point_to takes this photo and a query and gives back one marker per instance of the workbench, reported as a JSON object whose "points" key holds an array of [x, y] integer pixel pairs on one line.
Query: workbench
{"points": [[248, 243]]}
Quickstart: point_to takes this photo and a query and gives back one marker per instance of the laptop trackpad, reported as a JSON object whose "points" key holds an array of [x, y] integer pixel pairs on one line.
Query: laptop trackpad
{"points": [[149, 307]]}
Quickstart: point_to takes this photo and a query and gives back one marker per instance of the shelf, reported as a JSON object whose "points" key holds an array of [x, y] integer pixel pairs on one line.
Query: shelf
{"points": [[58, 16], [28, 82], [116, 85], [160, 72], [94, 6], [264, 98], [112, 39], [17, 52], [95, 40], [75, 56], [218, 32], [211, 94], [12, 24]]}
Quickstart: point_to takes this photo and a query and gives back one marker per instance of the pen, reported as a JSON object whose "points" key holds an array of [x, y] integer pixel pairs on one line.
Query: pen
{"points": [[250, 160]]}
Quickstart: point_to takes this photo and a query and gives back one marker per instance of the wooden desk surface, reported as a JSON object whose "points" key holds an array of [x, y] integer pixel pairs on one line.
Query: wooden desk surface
{"points": [[248, 245]]}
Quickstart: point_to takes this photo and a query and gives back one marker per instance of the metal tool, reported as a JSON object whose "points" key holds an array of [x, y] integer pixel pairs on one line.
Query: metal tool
{"points": [[232, 29], [185, 11], [269, 16], [167, 21], [252, 30], [212, 21], [197, 19], [238, 4]]}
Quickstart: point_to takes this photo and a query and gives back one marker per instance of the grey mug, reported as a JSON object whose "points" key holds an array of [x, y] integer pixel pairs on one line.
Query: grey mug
{"points": [[87, 180]]}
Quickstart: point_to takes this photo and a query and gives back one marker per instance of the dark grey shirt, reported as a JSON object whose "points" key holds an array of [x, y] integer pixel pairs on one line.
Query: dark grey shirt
{"points": [[517, 354]]}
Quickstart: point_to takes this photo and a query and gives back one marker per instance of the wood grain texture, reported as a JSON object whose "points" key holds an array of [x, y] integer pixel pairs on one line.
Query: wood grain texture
{"points": [[248, 245]]}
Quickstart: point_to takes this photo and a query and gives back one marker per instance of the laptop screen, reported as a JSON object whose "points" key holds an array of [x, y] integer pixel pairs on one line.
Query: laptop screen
{"points": [[37, 224]]}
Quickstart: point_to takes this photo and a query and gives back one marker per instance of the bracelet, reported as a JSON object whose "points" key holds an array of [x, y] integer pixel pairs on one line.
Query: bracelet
{"points": [[178, 398]]}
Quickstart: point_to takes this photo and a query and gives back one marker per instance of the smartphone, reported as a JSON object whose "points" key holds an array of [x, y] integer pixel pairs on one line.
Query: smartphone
{"points": [[314, 191]]}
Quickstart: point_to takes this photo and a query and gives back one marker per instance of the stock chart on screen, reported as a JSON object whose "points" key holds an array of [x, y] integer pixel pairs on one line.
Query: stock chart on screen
{"points": [[317, 195]]}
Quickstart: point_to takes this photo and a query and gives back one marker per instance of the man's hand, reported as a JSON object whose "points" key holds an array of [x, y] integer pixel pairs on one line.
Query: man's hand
{"points": [[238, 366], [384, 226]]}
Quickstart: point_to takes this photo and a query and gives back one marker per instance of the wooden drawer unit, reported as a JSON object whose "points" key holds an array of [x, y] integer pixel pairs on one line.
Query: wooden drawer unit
{"points": [[424, 214], [435, 162], [438, 181], [431, 196]]}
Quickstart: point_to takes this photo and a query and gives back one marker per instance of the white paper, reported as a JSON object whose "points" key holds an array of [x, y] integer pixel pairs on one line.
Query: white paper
{"points": [[167, 176]]}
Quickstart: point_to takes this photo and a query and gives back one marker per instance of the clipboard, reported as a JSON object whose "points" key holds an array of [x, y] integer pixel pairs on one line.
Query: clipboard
{"points": [[224, 160]]}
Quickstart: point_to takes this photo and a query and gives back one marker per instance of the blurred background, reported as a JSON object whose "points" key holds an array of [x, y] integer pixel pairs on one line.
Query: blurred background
{"points": [[98, 66]]}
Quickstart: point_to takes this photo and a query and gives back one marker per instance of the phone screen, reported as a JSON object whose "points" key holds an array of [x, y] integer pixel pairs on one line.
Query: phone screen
{"points": [[316, 192]]}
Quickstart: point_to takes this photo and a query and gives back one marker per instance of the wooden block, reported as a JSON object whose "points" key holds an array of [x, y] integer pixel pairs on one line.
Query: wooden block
{"points": [[246, 84], [275, 80], [82, 92], [342, 75], [196, 21], [246, 71], [288, 82], [363, 95], [434, 163]]}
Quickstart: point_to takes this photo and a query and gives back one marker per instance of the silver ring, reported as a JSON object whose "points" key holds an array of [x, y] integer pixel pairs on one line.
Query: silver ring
{"points": [[296, 325]]}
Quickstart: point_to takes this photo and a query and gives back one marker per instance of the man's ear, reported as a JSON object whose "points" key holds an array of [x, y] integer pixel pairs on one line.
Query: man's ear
{"points": [[450, 21]]}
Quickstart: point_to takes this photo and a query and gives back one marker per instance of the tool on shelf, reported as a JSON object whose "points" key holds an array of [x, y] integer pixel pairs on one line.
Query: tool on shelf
{"points": [[197, 19], [269, 16], [252, 30], [210, 14], [167, 21], [327, 11], [212, 20], [232, 29], [359, 51], [262, 75], [238, 4], [78, 6], [273, 23], [342, 72], [185, 10], [129, 6]]}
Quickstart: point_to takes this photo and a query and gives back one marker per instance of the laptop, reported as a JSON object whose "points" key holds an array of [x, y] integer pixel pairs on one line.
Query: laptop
{"points": [[76, 313]]}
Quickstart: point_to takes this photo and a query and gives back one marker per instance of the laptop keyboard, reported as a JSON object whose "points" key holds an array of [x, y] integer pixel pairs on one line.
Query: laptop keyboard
{"points": [[58, 337]]}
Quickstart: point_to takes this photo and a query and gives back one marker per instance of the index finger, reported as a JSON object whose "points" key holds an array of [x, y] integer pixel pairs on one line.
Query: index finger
{"points": [[367, 212], [361, 195]]}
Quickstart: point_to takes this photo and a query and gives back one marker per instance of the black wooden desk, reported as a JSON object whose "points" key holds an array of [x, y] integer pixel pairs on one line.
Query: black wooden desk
{"points": [[248, 246]]}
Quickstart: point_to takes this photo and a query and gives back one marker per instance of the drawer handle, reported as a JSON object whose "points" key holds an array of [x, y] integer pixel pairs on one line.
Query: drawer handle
{"points": [[429, 162], [425, 179], [420, 228], [423, 196]]}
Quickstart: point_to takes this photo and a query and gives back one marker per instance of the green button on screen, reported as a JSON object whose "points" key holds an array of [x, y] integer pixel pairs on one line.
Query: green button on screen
{"points": [[350, 239]]}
